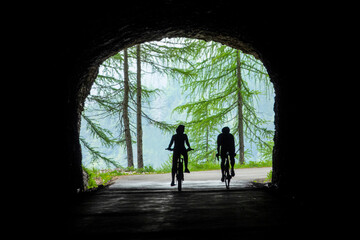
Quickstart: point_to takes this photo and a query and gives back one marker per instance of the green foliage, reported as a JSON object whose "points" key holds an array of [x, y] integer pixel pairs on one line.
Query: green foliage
{"points": [[146, 169], [266, 150], [91, 176], [269, 176], [166, 166], [98, 177], [207, 73], [102, 177], [96, 155], [204, 165], [210, 81], [255, 164], [196, 165], [97, 131], [105, 100]]}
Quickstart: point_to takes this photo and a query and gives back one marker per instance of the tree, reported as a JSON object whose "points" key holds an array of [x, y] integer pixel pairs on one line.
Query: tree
{"points": [[219, 95], [240, 109], [214, 77], [125, 106], [114, 88], [105, 137], [138, 110]]}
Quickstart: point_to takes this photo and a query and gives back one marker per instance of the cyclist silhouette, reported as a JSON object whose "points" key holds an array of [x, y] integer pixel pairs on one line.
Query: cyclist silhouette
{"points": [[226, 143], [180, 138]]}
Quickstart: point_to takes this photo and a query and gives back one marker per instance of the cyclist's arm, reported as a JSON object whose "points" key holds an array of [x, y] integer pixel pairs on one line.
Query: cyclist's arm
{"points": [[171, 142], [187, 141], [218, 143], [232, 144]]}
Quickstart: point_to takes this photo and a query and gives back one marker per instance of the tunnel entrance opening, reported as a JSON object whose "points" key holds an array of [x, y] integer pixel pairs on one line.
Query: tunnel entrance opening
{"points": [[283, 40], [213, 76], [103, 37]]}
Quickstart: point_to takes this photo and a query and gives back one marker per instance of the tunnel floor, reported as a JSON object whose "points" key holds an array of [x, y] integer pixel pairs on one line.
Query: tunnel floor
{"points": [[244, 213]]}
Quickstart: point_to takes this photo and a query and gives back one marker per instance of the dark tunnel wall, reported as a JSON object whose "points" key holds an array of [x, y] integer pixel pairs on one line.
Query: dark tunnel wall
{"points": [[279, 39]]}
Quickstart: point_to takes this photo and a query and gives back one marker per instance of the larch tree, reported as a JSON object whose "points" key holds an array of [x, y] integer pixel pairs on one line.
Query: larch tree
{"points": [[219, 95], [240, 109], [213, 76], [125, 110], [114, 89], [139, 131]]}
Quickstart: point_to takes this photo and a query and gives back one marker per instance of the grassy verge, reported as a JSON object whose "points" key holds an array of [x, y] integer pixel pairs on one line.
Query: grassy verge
{"points": [[98, 177], [204, 166]]}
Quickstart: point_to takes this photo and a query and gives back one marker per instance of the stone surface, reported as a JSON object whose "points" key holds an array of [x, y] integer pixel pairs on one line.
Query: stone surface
{"points": [[146, 207], [283, 39], [235, 213]]}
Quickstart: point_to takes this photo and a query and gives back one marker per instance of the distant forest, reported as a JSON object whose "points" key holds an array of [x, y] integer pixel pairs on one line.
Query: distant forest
{"points": [[144, 92]]}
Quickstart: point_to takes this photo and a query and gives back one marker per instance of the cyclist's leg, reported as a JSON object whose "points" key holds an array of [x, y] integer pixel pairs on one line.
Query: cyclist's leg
{"points": [[173, 169], [232, 162], [222, 168], [186, 158]]}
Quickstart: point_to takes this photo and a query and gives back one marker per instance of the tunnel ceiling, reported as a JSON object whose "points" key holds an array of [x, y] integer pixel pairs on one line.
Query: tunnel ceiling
{"points": [[101, 33]]}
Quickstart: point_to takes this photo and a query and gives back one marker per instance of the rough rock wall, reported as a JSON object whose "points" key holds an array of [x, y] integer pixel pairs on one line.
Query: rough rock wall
{"points": [[89, 39]]}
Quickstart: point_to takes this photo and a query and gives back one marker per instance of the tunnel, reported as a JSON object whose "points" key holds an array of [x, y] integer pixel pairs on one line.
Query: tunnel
{"points": [[85, 37], [104, 36]]}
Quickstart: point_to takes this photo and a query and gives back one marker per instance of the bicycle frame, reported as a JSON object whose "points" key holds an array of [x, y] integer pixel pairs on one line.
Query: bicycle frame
{"points": [[226, 170], [227, 174], [179, 169], [179, 172]]}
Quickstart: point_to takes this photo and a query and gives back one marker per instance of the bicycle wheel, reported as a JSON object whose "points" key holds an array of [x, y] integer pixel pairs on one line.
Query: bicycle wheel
{"points": [[180, 176], [227, 174], [227, 180]]}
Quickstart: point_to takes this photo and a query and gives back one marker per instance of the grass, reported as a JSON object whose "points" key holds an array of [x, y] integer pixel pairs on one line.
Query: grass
{"points": [[98, 177], [204, 166], [269, 176], [103, 177]]}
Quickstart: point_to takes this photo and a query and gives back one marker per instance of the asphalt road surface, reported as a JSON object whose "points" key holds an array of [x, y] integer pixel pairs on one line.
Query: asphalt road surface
{"points": [[146, 207], [193, 181]]}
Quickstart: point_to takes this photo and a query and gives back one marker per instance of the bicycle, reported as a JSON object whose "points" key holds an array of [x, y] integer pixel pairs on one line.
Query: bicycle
{"points": [[226, 170], [179, 168]]}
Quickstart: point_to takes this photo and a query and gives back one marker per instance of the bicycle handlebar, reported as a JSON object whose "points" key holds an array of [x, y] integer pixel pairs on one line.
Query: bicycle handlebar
{"points": [[172, 149]]}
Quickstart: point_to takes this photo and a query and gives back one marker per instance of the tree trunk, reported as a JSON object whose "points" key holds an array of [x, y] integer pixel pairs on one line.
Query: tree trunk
{"points": [[240, 109], [126, 113], [206, 135], [138, 111]]}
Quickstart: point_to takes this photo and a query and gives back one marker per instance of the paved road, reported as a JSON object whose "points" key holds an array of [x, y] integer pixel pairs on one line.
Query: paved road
{"points": [[193, 182], [146, 207]]}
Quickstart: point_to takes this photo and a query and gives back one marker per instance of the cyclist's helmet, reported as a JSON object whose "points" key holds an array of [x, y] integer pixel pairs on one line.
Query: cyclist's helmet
{"points": [[226, 130], [180, 129]]}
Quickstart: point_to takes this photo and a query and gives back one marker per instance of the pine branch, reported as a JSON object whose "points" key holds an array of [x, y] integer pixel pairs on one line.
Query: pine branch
{"points": [[96, 155], [104, 135]]}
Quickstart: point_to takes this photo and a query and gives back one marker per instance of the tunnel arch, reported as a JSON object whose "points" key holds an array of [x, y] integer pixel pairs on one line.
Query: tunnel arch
{"points": [[104, 36], [201, 37]]}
